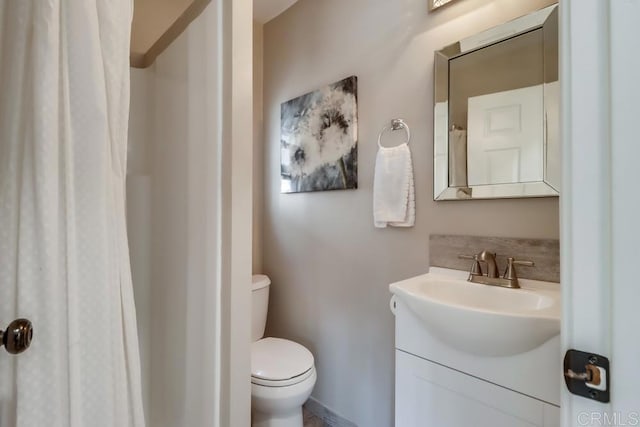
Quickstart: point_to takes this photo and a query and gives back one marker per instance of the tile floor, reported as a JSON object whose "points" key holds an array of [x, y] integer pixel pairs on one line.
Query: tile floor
{"points": [[311, 420]]}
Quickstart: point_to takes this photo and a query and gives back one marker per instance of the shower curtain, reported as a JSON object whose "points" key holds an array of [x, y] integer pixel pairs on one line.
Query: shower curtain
{"points": [[64, 261]]}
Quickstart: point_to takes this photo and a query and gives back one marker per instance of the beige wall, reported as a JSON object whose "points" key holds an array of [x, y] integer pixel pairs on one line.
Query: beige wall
{"points": [[330, 267]]}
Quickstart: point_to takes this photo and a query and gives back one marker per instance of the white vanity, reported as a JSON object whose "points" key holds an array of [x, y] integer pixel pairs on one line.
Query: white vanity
{"points": [[469, 354], [480, 354]]}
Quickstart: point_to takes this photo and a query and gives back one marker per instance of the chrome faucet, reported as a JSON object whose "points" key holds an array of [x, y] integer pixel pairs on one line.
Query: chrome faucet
{"points": [[509, 280]]}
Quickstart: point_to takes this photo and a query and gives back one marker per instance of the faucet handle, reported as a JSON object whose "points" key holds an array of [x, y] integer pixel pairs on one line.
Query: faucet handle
{"points": [[476, 269], [510, 272]]}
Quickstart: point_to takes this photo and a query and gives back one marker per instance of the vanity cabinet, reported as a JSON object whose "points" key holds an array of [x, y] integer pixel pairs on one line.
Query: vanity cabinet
{"points": [[437, 385], [429, 394]]}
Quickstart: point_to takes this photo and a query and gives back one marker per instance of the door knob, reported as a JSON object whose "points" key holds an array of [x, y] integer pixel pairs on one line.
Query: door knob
{"points": [[17, 337]]}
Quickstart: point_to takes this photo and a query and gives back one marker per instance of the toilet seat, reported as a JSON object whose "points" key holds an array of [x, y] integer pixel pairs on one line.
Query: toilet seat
{"points": [[276, 362], [283, 383]]}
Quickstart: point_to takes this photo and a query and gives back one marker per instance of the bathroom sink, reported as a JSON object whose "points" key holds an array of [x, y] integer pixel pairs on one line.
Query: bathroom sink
{"points": [[480, 319]]}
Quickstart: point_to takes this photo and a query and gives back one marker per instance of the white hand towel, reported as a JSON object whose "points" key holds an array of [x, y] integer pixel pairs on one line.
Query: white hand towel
{"points": [[394, 200]]}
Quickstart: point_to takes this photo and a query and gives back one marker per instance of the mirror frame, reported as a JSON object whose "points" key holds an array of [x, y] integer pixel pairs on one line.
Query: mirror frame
{"points": [[547, 20]]}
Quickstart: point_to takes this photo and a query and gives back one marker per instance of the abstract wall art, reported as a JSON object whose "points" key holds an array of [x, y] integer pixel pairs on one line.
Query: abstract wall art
{"points": [[319, 139]]}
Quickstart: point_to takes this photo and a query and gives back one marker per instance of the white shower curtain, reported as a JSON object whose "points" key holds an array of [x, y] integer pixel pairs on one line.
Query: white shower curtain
{"points": [[64, 262]]}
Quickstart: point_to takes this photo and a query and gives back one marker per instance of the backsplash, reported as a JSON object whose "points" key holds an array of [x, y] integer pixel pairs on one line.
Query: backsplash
{"points": [[545, 253]]}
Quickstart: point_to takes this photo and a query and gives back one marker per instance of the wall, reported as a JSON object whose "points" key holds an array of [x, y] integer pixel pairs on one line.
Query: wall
{"points": [[329, 266]]}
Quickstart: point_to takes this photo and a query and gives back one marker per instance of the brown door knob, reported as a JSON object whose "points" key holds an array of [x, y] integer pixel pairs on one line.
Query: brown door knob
{"points": [[17, 337]]}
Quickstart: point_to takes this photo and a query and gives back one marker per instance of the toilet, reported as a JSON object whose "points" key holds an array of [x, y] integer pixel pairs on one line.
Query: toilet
{"points": [[282, 371]]}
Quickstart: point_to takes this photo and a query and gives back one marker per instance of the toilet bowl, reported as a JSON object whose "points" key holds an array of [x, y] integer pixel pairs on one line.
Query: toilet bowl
{"points": [[282, 371], [282, 377]]}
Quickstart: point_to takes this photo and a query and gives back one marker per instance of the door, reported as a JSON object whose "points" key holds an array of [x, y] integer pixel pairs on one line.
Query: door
{"points": [[600, 201], [506, 138]]}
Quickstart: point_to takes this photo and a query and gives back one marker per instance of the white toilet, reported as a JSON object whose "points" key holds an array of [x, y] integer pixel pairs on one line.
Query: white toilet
{"points": [[282, 371]]}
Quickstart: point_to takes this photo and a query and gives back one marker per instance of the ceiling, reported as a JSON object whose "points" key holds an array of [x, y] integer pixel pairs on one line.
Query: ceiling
{"points": [[156, 23], [265, 10]]}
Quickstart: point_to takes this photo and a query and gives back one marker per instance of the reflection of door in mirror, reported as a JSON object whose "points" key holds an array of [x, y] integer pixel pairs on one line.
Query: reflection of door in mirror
{"points": [[497, 95], [506, 137]]}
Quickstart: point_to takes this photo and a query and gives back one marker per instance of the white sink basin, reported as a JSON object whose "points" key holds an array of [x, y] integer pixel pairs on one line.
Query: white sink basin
{"points": [[481, 319]]}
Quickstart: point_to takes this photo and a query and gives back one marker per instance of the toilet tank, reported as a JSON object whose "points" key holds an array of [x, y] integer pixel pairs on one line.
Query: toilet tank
{"points": [[259, 305]]}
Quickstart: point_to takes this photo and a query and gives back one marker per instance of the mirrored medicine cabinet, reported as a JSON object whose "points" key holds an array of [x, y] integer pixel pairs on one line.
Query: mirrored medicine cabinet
{"points": [[496, 112]]}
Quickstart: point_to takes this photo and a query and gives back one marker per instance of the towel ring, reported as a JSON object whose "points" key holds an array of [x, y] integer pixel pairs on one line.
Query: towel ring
{"points": [[396, 124]]}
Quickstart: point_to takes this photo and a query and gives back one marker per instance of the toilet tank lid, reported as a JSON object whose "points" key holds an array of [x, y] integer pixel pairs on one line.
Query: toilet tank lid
{"points": [[277, 359], [259, 281]]}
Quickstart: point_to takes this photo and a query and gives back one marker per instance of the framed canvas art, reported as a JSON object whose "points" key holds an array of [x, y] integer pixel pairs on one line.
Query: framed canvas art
{"points": [[319, 139]]}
